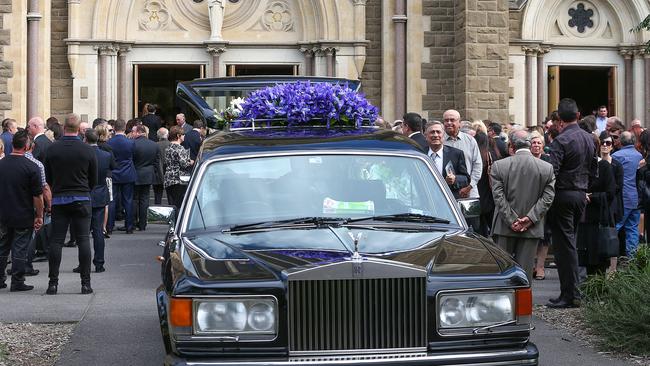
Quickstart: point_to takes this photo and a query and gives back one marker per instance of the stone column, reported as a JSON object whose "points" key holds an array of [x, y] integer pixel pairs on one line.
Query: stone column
{"points": [[530, 51], [359, 35], [309, 60], [330, 54], [629, 85], [33, 19], [103, 100], [541, 81], [399, 21], [123, 83], [215, 50], [646, 99]]}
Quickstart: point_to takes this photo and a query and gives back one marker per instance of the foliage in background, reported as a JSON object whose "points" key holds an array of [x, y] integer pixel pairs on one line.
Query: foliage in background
{"points": [[617, 308], [644, 25]]}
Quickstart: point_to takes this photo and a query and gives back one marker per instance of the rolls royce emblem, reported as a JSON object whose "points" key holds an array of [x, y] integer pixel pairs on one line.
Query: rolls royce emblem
{"points": [[357, 259]]}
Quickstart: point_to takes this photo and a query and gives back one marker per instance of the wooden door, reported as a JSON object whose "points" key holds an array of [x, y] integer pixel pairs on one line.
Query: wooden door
{"points": [[611, 90], [553, 88]]}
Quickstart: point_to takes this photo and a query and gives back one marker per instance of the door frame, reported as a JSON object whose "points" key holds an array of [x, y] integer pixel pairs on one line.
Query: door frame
{"points": [[136, 77], [553, 86]]}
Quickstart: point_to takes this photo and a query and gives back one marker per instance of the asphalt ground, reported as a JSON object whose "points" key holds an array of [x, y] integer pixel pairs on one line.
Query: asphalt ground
{"points": [[118, 324]]}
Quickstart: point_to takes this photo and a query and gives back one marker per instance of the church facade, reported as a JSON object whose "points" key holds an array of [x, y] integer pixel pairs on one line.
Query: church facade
{"points": [[503, 60]]}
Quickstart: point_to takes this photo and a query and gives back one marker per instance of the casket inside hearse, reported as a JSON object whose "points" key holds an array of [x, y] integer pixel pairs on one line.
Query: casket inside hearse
{"points": [[309, 236]]}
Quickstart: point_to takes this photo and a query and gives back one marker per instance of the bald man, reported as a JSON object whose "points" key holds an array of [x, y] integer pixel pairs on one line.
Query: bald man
{"points": [[36, 129], [454, 137]]}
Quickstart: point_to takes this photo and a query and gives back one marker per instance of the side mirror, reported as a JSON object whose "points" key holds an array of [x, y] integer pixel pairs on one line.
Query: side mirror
{"points": [[161, 214], [470, 207]]}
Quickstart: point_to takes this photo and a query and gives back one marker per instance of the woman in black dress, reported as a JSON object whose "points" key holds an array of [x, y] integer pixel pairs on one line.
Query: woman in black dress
{"points": [[488, 155]]}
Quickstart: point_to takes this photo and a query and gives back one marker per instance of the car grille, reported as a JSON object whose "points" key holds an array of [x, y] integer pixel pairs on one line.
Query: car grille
{"points": [[327, 316]]}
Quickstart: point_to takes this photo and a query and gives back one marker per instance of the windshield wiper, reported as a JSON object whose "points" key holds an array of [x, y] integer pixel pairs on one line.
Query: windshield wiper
{"points": [[311, 220], [404, 217]]}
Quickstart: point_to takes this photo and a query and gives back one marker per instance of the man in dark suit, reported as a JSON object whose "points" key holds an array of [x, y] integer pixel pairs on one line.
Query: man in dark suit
{"points": [[494, 132], [99, 198], [152, 121], [449, 161], [145, 160], [523, 187], [412, 127], [193, 139], [36, 129], [123, 176]]}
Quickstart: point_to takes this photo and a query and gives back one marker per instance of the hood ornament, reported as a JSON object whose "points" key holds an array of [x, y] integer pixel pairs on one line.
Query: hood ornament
{"points": [[356, 257]]}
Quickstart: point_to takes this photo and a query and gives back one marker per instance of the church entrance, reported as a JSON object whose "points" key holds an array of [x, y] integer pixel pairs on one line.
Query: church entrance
{"points": [[590, 87], [157, 84]]}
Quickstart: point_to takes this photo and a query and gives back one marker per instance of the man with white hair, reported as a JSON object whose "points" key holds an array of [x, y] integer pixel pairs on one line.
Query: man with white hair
{"points": [[454, 137], [163, 144], [36, 129], [180, 121]]}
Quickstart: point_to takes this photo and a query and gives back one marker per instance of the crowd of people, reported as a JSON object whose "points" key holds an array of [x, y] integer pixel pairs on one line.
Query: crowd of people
{"points": [[80, 179], [578, 184]]}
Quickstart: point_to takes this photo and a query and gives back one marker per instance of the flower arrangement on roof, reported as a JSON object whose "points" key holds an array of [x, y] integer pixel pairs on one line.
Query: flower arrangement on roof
{"points": [[229, 114], [305, 104]]}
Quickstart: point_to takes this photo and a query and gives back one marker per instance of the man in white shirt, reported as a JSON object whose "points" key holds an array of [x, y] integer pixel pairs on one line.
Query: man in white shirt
{"points": [[601, 119], [462, 141]]}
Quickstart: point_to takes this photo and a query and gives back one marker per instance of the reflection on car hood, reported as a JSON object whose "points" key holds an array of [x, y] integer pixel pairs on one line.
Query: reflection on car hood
{"points": [[271, 254]]}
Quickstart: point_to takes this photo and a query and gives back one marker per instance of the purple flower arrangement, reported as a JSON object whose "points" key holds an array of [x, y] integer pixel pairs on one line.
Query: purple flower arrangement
{"points": [[306, 104]]}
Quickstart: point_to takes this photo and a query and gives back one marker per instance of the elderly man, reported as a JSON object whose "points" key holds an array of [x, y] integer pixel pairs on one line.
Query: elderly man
{"points": [[523, 188], [36, 129], [180, 122], [163, 144], [449, 161], [462, 141], [629, 157]]}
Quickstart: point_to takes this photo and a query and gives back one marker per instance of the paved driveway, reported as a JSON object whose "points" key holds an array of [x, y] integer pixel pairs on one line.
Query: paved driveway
{"points": [[118, 324]]}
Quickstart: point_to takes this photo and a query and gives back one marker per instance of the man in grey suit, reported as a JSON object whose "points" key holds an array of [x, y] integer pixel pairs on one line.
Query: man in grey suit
{"points": [[523, 188]]}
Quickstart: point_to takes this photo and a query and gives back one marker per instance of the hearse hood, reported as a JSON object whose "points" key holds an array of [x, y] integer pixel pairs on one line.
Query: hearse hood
{"points": [[274, 254]]}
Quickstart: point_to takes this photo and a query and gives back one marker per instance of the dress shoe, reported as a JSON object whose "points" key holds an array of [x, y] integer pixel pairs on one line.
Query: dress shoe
{"points": [[40, 258], [3, 285], [563, 304], [70, 244], [20, 287], [76, 270], [129, 231], [51, 289], [33, 272], [555, 300], [100, 269], [86, 289], [122, 228]]}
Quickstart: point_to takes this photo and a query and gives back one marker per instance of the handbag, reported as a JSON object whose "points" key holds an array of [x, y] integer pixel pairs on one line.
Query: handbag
{"points": [[607, 241]]}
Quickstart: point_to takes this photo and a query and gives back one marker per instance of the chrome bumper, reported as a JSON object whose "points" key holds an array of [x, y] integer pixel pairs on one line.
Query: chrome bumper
{"points": [[501, 357]]}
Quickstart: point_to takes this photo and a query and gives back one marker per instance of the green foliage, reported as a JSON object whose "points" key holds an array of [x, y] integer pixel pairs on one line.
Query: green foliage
{"points": [[644, 25], [617, 307]]}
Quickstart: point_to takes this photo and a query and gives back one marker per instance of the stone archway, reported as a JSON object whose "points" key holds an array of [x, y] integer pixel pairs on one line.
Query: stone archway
{"points": [[587, 33]]}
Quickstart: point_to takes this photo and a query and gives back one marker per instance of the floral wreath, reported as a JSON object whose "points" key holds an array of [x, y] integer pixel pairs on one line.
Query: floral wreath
{"points": [[301, 104]]}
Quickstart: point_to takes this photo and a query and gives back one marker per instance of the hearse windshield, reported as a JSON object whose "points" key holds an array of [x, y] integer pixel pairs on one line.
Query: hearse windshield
{"points": [[266, 189]]}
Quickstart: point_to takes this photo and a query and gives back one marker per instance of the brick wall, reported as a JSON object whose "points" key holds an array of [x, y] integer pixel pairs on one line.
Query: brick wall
{"points": [[371, 75], [484, 25], [6, 68], [439, 71], [61, 77]]}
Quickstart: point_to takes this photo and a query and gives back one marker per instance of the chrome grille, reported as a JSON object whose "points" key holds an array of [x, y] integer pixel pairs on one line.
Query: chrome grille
{"points": [[326, 316]]}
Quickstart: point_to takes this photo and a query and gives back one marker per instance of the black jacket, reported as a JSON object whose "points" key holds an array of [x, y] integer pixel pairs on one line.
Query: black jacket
{"points": [[99, 196], [71, 167], [152, 122], [41, 144], [145, 160], [457, 159], [193, 143], [421, 140]]}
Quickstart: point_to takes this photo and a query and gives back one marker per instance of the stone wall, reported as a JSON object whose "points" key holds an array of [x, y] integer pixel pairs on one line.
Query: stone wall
{"points": [[371, 75], [6, 68], [482, 72], [439, 71], [61, 77], [515, 17]]}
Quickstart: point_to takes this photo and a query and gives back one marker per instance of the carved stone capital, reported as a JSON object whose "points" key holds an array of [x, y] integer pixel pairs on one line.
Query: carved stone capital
{"points": [[123, 49], [107, 49], [308, 51], [216, 50], [530, 50], [626, 52]]}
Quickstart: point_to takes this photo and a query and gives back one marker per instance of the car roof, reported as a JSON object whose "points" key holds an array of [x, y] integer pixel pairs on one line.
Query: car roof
{"points": [[282, 140]]}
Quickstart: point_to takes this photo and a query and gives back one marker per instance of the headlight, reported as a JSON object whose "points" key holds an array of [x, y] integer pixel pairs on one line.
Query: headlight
{"points": [[465, 310], [235, 316]]}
